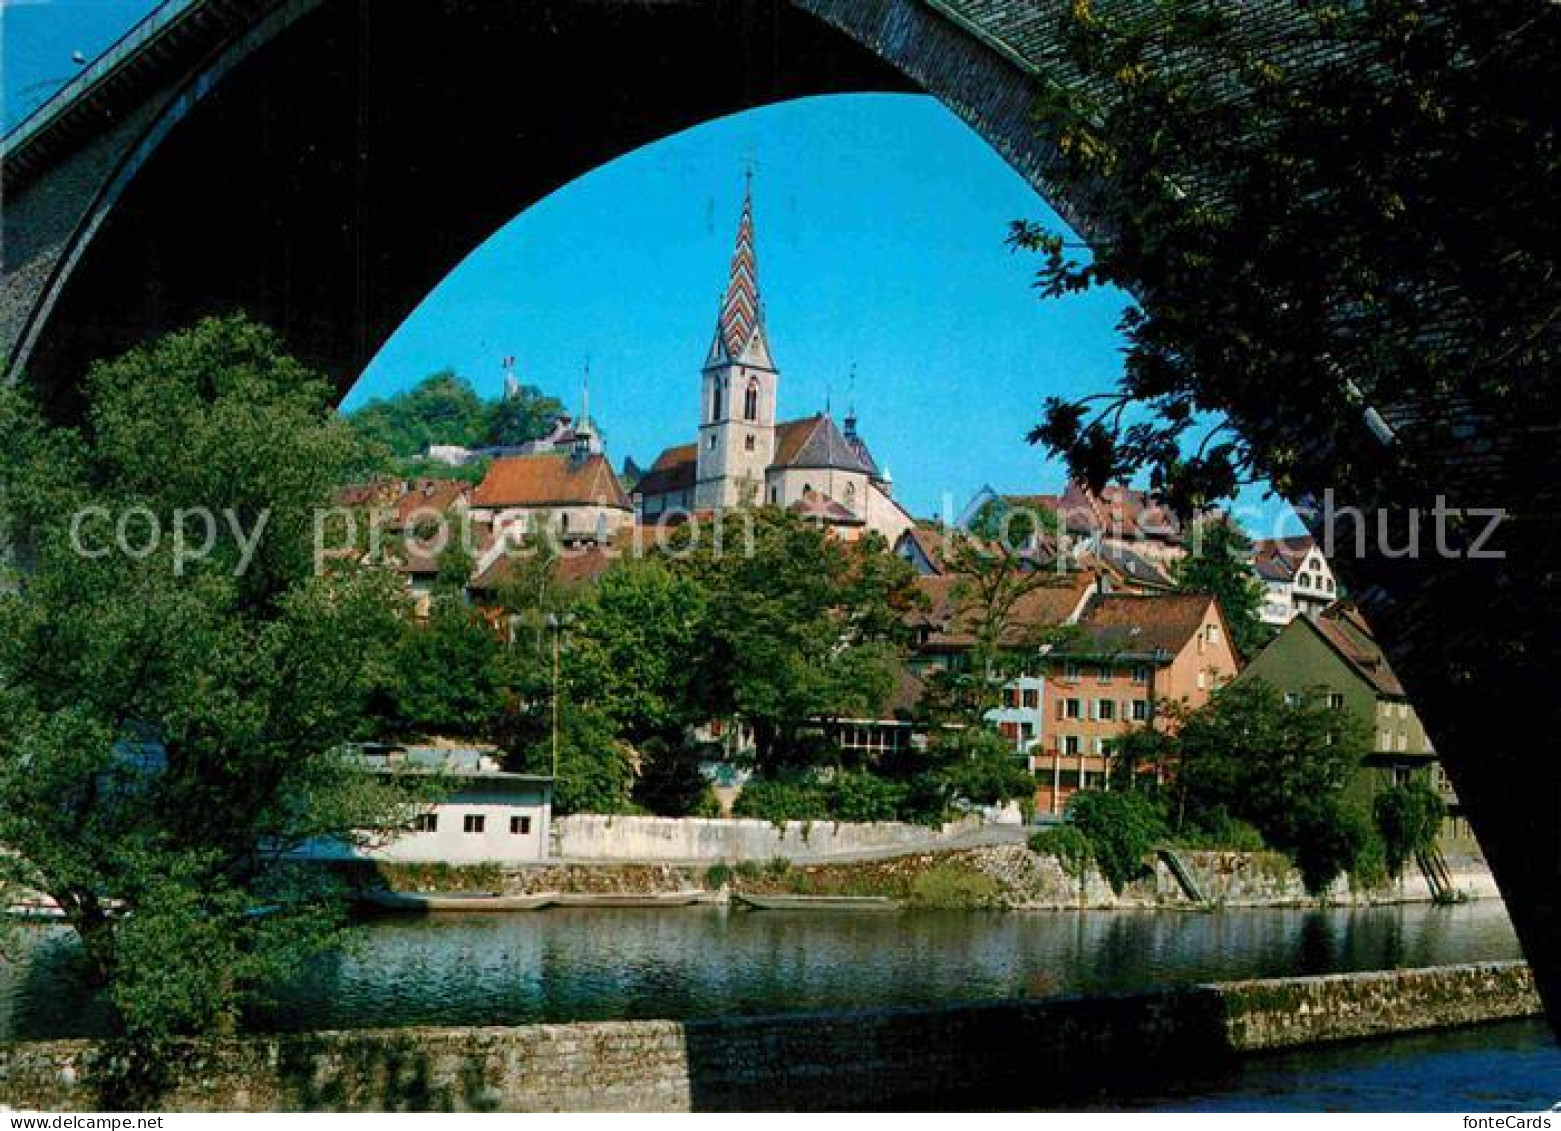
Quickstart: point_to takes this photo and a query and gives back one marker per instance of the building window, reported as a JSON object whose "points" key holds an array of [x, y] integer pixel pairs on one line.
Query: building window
{"points": [[1010, 731], [1140, 674], [715, 402], [751, 401], [1032, 698], [520, 826], [1106, 710], [1100, 747], [1073, 709], [1070, 744], [1214, 634], [1070, 670], [774, 494], [710, 442], [748, 442], [1203, 679], [1336, 701], [1140, 710], [1010, 697], [426, 823], [474, 822], [1292, 698]]}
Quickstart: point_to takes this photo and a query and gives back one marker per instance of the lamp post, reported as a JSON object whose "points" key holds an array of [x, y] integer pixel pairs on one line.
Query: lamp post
{"points": [[557, 624]]}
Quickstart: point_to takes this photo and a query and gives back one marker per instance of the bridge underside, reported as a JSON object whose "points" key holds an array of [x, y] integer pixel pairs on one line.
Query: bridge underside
{"points": [[325, 183], [330, 182]]}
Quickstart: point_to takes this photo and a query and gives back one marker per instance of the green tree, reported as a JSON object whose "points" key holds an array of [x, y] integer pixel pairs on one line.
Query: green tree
{"points": [[1300, 211], [630, 645], [446, 678], [171, 725], [1280, 766], [1220, 564], [1121, 829], [799, 627], [440, 409], [596, 769], [1408, 818], [513, 420], [981, 767]]}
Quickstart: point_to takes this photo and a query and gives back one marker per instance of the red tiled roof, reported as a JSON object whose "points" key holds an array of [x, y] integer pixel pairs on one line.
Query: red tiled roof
{"points": [[429, 497], [550, 479], [673, 470], [1279, 558], [1116, 511], [1143, 622], [821, 508], [381, 492], [1342, 626], [951, 619]]}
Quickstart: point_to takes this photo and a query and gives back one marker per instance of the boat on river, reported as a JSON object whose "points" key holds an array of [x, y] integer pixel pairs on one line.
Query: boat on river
{"points": [[430, 902], [628, 899], [753, 902]]}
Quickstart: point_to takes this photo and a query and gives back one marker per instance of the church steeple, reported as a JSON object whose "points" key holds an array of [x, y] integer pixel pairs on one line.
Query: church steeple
{"points": [[739, 331], [738, 386]]}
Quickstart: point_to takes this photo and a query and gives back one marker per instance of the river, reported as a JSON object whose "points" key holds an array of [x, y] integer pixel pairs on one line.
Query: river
{"points": [[579, 964]]}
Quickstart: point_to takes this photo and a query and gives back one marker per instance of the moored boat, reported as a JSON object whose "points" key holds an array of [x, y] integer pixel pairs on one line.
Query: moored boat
{"points": [[814, 902], [429, 902]]}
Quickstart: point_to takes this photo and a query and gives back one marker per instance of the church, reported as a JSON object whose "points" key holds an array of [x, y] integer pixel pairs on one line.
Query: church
{"points": [[744, 455]]}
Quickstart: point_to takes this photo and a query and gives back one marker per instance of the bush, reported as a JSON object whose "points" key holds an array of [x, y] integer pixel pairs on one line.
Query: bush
{"points": [[982, 768], [847, 796], [1217, 830], [1121, 827], [717, 876], [1369, 870], [1328, 840], [779, 800], [670, 784], [1408, 818], [1069, 845], [864, 797], [949, 887]]}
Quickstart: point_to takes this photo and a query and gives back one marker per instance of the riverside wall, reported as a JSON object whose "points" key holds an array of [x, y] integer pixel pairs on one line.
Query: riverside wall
{"points": [[1011, 876], [1029, 1054], [690, 840]]}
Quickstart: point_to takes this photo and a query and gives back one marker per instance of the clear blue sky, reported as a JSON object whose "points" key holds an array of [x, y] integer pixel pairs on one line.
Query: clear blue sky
{"points": [[881, 223]]}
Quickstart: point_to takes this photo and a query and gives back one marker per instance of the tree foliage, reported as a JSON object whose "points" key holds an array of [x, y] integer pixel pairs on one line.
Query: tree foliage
{"points": [[1280, 766], [445, 409], [1220, 564], [1408, 818], [171, 726], [1121, 827], [797, 627], [1353, 210]]}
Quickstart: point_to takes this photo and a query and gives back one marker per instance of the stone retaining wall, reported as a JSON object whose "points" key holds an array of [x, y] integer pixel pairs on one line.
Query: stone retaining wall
{"points": [[1004, 1054], [593, 837]]}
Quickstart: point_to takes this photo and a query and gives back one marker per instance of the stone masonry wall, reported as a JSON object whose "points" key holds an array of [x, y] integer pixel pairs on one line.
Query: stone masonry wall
{"points": [[1029, 1053], [691, 839]]}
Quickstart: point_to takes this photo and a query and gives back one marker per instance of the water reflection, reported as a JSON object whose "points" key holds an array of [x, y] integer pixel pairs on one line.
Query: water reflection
{"points": [[578, 964]]}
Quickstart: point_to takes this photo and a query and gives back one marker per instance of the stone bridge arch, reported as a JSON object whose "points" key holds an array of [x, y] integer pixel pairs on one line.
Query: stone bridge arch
{"points": [[322, 164]]}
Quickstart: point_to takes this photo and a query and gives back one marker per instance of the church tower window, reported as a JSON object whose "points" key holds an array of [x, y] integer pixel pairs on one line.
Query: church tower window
{"points": [[751, 401], [715, 402], [748, 442]]}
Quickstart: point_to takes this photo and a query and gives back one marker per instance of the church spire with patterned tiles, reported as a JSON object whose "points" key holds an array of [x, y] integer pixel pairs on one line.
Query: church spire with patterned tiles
{"points": [[739, 385], [739, 329]]}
